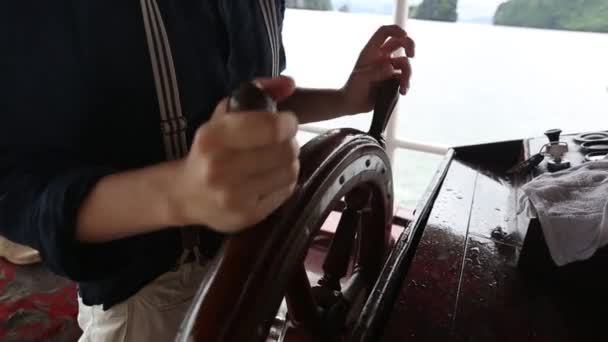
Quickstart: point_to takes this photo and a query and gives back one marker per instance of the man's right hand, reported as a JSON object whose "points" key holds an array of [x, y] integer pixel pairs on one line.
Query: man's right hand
{"points": [[241, 167]]}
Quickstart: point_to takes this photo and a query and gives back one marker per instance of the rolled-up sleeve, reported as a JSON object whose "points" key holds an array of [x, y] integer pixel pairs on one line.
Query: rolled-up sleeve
{"points": [[40, 198], [47, 167]]}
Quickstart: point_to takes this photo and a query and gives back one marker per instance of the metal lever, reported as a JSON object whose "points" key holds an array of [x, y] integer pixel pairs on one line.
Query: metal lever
{"points": [[386, 94], [556, 150], [526, 166], [553, 135]]}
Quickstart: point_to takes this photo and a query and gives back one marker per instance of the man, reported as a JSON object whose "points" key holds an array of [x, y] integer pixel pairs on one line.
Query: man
{"points": [[118, 160]]}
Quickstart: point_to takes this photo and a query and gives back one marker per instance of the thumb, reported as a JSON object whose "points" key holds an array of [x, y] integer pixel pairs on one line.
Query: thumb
{"points": [[278, 88], [220, 110]]}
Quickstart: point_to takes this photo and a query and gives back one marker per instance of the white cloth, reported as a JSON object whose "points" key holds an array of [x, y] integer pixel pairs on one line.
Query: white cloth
{"points": [[572, 206], [153, 314]]}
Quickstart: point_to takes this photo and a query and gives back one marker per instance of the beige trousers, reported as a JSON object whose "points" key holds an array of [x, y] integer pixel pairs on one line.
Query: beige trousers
{"points": [[18, 254], [153, 314]]}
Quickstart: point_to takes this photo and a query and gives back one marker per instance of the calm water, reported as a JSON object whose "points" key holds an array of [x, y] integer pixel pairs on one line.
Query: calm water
{"points": [[471, 83]]}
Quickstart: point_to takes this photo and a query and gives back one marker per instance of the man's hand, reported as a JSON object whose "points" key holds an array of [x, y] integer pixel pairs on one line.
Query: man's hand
{"points": [[375, 64], [241, 167]]}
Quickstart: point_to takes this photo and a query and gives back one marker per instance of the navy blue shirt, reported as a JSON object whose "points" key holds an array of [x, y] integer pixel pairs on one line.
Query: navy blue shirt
{"points": [[78, 102]]}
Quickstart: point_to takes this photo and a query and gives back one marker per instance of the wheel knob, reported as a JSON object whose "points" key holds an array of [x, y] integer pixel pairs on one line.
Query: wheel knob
{"points": [[250, 96], [553, 135]]}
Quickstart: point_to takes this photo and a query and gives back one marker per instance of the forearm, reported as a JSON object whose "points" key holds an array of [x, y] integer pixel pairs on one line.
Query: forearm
{"points": [[312, 105], [127, 204]]}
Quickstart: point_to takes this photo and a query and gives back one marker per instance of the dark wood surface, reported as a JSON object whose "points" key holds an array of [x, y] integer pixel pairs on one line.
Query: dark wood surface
{"points": [[465, 282], [378, 307]]}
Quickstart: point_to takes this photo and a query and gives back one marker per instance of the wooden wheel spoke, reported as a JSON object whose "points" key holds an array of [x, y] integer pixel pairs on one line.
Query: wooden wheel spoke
{"points": [[340, 314], [337, 260], [340, 252], [355, 292], [301, 305], [371, 257], [356, 284]]}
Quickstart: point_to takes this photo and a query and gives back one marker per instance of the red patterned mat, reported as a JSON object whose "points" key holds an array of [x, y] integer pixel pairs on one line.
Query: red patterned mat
{"points": [[36, 305]]}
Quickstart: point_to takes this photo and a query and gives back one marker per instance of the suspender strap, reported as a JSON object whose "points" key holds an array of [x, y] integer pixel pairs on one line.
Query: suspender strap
{"points": [[172, 122], [270, 13]]}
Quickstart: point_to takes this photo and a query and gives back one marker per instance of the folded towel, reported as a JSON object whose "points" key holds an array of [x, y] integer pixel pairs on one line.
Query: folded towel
{"points": [[572, 206]]}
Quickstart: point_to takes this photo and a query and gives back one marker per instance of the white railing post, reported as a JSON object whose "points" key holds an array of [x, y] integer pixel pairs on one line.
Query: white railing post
{"points": [[401, 12], [401, 15]]}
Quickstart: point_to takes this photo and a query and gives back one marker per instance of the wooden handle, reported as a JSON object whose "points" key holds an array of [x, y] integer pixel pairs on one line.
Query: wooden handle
{"points": [[250, 96], [386, 95]]}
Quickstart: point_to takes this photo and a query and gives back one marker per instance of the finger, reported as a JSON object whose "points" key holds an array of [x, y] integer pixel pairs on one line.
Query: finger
{"points": [[403, 64], [246, 130], [269, 182], [264, 159], [412, 48], [380, 70], [278, 88], [383, 33], [221, 108], [383, 72], [395, 43]]}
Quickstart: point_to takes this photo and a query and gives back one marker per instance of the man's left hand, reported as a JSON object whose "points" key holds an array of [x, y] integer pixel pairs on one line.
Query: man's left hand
{"points": [[376, 63]]}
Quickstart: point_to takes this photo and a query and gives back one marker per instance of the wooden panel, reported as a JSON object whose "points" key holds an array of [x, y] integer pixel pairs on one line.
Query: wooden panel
{"points": [[424, 308], [494, 212], [493, 304], [465, 282]]}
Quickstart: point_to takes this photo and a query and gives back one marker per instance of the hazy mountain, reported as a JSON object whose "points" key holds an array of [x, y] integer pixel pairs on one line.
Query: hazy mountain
{"points": [[586, 15]]}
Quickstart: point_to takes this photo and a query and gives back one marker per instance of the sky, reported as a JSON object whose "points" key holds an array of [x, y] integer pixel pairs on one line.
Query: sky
{"points": [[477, 8]]}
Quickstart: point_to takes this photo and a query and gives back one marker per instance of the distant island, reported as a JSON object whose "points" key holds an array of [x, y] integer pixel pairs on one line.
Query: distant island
{"points": [[322, 5], [440, 10], [575, 15]]}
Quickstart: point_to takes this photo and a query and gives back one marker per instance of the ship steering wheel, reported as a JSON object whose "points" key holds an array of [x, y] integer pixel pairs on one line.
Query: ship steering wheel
{"points": [[261, 271]]}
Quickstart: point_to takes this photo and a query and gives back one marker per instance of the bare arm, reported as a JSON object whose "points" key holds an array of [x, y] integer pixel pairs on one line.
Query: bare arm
{"points": [[312, 105], [224, 183], [127, 204]]}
